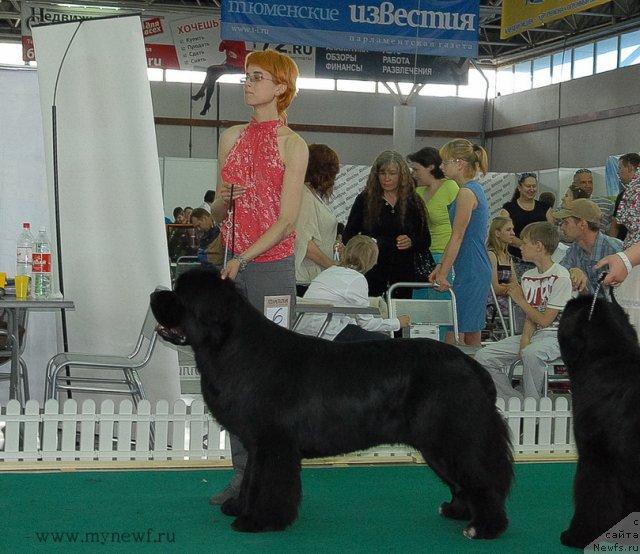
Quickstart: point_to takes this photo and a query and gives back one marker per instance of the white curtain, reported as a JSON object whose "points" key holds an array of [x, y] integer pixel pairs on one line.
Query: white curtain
{"points": [[111, 215], [23, 197]]}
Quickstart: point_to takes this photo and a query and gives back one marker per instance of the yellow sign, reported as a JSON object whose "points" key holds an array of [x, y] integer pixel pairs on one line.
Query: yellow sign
{"points": [[520, 15]]}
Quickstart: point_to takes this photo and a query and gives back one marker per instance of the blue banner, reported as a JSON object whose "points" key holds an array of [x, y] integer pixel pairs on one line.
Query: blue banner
{"points": [[431, 27]]}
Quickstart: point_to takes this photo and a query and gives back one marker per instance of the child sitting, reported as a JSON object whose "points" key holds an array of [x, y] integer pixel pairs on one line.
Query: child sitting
{"points": [[544, 292], [499, 237], [345, 285]]}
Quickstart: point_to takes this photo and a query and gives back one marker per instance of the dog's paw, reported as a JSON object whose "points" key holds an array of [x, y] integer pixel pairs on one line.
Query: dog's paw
{"points": [[454, 510], [470, 532], [485, 530], [231, 507], [249, 524], [569, 538]]}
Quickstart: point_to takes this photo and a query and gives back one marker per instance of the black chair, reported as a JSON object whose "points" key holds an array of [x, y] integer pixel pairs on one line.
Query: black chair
{"points": [[7, 342]]}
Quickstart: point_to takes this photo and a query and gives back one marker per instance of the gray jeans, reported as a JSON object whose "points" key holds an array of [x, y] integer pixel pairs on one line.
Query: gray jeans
{"points": [[496, 357], [258, 280]]}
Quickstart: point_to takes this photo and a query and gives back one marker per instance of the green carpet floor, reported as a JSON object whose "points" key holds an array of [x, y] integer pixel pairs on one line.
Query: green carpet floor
{"points": [[354, 509]]}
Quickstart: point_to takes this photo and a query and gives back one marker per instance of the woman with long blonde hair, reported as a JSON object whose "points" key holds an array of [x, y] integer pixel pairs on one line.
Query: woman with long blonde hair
{"points": [[466, 251], [503, 273]]}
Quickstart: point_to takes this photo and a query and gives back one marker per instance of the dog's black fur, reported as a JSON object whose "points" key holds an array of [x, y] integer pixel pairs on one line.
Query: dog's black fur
{"points": [[287, 396], [603, 358]]}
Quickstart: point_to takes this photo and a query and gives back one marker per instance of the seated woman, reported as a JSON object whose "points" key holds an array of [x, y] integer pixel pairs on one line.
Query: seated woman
{"points": [[573, 193], [345, 285], [499, 237]]}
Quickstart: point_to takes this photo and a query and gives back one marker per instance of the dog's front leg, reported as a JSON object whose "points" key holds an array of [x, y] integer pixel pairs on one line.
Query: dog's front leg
{"points": [[596, 510], [275, 490]]}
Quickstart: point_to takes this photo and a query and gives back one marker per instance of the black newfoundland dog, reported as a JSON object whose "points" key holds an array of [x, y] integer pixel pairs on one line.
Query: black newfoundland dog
{"points": [[603, 357], [287, 397]]}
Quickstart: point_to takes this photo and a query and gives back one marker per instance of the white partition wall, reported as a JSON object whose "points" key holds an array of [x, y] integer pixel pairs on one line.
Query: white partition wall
{"points": [[110, 199]]}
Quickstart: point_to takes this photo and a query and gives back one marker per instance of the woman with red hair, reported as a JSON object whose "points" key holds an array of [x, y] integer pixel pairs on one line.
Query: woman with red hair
{"points": [[262, 169]]}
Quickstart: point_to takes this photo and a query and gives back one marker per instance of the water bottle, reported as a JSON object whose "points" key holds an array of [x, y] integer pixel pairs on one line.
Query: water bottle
{"points": [[24, 256], [42, 266]]}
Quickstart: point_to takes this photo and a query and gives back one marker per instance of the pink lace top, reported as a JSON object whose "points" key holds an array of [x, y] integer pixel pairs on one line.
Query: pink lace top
{"points": [[254, 161]]}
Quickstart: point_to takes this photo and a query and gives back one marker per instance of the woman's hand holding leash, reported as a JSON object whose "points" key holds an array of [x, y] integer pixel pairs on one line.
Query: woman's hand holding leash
{"points": [[618, 269], [227, 188]]}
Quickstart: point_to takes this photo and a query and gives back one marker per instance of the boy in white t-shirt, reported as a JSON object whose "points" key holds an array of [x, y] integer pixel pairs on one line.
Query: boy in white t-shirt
{"points": [[544, 292]]}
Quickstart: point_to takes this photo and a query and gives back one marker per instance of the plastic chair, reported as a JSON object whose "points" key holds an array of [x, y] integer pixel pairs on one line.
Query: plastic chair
{"points": [[6, 351], [82, 368]]}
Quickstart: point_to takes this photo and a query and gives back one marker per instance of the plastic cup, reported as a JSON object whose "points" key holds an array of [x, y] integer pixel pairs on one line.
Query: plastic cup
{"points": [[22, 286], [3, 279]]}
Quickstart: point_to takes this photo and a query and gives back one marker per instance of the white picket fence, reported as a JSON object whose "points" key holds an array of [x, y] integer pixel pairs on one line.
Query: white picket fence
{"points": [[187, 433]]}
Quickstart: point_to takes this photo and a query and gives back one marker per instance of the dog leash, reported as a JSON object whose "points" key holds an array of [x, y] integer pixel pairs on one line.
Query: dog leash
{"points": [[231, 227], [596, 292]]}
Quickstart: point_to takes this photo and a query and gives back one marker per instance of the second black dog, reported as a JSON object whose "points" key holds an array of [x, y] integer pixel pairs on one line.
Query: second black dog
{"points": [[603, 357], [288, 397]]}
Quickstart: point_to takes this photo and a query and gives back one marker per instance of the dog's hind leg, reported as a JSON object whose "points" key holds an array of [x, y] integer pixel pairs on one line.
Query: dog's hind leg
{"points": [[458, 507], [475, 462], [488, 517], [273, 498]]}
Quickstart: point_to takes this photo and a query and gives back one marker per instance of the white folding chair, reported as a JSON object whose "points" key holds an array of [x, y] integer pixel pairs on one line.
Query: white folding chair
{"points": [[85, 370], [507, 323], [427, 315]]}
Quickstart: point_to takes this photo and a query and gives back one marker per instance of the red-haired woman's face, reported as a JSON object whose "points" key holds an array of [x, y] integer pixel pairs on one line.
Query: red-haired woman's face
{"points": [[259, 87]]}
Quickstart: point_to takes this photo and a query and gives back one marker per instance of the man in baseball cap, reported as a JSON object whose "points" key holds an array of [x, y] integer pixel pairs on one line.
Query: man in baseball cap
{"points": [[581, 224]]}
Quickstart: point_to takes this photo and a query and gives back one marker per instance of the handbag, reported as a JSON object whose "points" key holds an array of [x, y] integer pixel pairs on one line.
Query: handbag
{"points": [[424, 265]]}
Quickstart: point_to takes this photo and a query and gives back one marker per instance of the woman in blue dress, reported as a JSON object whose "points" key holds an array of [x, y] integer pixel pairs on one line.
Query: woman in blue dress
{"points": [[466, 251]]}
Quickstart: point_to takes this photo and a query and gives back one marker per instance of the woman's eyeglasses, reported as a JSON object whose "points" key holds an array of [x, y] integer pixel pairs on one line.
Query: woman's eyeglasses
{"points": [[255, 78]]}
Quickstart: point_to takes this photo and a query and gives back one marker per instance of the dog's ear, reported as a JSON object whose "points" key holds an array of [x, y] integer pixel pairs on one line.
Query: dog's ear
{"points": [[166, 308], [572, 332]]}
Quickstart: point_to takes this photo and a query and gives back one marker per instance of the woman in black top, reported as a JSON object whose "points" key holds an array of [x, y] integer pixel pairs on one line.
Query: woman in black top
{"points": [[524, 209], [390, 210]]}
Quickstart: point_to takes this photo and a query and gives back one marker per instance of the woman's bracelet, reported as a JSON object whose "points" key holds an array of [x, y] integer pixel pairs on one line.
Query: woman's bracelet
{"points": [[242, 261], [625, 259]]}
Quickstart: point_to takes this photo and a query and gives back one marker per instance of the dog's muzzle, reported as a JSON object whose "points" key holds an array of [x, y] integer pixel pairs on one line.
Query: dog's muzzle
{"points": [[174, 336]]}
